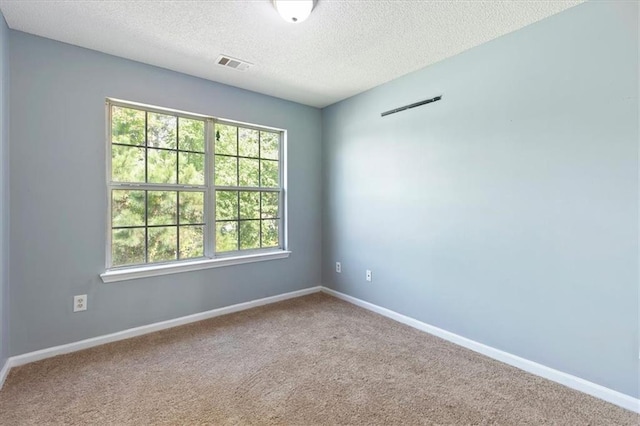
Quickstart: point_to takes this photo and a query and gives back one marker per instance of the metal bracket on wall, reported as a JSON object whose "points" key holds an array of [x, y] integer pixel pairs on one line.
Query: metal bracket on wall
{"points": [[417, 104]]}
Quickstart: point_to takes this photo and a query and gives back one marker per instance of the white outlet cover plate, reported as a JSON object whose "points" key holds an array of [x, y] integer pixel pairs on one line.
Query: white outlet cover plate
{"points": [[80, 303]]}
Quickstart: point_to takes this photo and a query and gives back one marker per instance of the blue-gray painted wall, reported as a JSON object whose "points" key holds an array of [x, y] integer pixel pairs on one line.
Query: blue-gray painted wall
{"points": [[507, 212], [4, 192], [59, 197]]}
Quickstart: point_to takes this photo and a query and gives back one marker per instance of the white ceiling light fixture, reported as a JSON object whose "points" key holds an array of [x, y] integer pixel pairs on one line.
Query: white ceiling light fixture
{"points": [[294, 11]]}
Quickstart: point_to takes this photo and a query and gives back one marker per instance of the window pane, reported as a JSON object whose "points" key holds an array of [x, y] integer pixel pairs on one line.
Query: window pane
{"points": [[249, 234], [248, 142], [161, 166], [269, 144], [127, 246], [190, 134], [249, 172], [226, 205], [191, 242], [226, 139], [226, 171], [269, 173], [191, 170], [127, 126], [191, 207], [249, 205], [270, 205], [270, 233], [127, 164], [127, 208], [161, 207], [161, 131], [163, 243], [226, 236]]}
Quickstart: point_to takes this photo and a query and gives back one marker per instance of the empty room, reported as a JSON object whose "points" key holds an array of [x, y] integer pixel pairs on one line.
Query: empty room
{"points": [[319, 212]]}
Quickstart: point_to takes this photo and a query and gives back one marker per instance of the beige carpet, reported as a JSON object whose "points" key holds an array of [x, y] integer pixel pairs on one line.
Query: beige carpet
{"points": [[312, 360]]}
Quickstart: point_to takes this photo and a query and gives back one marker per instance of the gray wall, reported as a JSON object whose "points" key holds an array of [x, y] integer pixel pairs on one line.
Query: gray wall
{"points": [[4, 191], [507, 212], [58, 195]]}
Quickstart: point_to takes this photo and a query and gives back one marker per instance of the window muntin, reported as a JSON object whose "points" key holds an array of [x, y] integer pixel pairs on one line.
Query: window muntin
{"points": [[187, 187]]}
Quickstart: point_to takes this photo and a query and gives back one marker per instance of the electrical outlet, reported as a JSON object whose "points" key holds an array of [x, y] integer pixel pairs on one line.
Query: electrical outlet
{"points": [[80, 303], [368, 275], [338, 267]]}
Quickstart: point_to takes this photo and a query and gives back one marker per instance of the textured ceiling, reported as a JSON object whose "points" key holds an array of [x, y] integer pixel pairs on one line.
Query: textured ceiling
{"points": [[344, 48]]}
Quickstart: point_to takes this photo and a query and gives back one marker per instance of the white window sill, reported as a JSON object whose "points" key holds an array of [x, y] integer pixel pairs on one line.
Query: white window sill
{"points": [[146, 271]]}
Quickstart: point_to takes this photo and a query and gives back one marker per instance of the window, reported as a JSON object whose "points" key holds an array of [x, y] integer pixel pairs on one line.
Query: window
{"points": [[187, 187], [247, 188]]}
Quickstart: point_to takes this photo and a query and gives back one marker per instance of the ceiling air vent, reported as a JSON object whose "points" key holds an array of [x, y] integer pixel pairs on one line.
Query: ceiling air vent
{"points": [[236, 64]]}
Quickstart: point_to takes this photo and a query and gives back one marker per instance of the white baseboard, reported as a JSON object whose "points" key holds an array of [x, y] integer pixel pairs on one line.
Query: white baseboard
{"points": [[17, 360], [4, 372], [573, 382], [593, 389]]}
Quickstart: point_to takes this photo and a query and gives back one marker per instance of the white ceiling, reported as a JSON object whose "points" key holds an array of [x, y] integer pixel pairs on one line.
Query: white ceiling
{"points": [[344, 48]]}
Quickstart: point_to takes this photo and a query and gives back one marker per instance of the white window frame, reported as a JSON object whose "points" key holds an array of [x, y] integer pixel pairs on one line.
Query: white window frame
{"points": [[210, 258]]}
